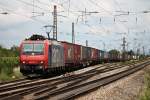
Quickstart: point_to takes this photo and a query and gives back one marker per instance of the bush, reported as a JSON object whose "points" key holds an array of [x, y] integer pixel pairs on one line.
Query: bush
{"points": [[146, 93], [7, 64]]}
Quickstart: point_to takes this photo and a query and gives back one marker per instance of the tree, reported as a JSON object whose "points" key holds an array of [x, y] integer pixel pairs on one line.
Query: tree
{"points": [[130, 52], [0, 47], [114, 51], [15, 50]]}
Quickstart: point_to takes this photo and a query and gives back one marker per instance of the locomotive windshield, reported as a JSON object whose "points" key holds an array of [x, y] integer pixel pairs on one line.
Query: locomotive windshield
{"points": [[33, 48]]}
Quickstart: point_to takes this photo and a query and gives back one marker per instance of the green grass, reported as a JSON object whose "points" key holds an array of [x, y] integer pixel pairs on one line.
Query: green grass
{"points": [[128, 62], [8, 66], [146, 93], [132, 61]]}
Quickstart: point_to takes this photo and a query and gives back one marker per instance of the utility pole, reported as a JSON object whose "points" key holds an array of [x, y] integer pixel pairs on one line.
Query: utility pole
{"points": [[135, 43], [86, 43], [104, 45], [53, 27], [123, 45], [138, 51], [55, 23], [127, 46], [143, 51], [73, 35]]}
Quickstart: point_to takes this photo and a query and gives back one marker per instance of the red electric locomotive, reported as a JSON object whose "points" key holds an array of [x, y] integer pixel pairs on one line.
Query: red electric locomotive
{"points": [[40, 56]]}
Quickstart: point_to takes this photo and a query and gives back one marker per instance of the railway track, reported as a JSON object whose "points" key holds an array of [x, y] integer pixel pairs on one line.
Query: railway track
{"points": [[14, 81], [70, 92], [54, 87], [8, 90], [23, 81]]}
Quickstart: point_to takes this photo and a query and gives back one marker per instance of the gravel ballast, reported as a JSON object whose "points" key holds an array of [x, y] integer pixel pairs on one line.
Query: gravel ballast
{"points": [[128, 88]]}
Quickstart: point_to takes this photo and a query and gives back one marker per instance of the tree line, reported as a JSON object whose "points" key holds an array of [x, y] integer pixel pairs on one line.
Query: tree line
{"points": [[12, 52]]}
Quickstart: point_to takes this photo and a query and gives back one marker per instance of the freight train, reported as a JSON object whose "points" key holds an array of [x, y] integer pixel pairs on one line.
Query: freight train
{"points": [[47, 56]]}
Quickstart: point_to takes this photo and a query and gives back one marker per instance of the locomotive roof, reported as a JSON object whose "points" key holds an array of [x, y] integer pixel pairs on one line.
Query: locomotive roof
{"points": [[43, 41], [33, 41]]}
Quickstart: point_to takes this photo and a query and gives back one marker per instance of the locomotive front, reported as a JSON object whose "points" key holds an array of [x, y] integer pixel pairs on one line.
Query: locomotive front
{"points": [[32, 57]]}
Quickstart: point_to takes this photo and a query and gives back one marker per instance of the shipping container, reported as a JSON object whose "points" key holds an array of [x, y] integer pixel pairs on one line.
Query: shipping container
{"points": [[88, 53], [106, 56], [98, 55], [85, 53], [101, 54], [55, 55], [94, 54], [68, 52], [77, 53]]}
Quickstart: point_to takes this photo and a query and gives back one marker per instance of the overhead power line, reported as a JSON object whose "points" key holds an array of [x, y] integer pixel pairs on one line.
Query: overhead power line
{"points": [[107, 11], [43, 3], [30, 4], [10, 11], [93, 2]]}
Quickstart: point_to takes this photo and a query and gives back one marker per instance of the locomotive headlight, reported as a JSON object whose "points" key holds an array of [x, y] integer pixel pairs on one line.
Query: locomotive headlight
{"points": [[42, 62], [23, 62]]}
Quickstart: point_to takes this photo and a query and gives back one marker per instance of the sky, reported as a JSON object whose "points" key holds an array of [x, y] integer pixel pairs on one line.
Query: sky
{"points": [[103, 23]]}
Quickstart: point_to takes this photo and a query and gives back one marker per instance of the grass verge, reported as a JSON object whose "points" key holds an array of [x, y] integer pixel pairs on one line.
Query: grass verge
{"points": [[9, 69], [146, 93]]}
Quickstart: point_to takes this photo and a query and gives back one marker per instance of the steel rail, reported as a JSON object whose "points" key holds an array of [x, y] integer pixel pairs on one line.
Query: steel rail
{"points": [[72, 91]]}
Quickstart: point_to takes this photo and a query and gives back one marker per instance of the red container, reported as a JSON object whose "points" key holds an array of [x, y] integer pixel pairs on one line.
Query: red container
{"points": [[97, 54], [68, 52], [77, 53], [106, 56], [94, 54]]}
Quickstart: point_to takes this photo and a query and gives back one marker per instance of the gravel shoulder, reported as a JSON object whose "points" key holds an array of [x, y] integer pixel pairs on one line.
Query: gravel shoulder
{"points": [[128, 88]]}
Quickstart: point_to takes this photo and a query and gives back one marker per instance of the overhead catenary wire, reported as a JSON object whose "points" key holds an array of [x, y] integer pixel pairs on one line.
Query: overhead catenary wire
{"points": [[30, 4], [63, 2], [10, 11], [127, 13], [109, 12], [74, 11]]}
